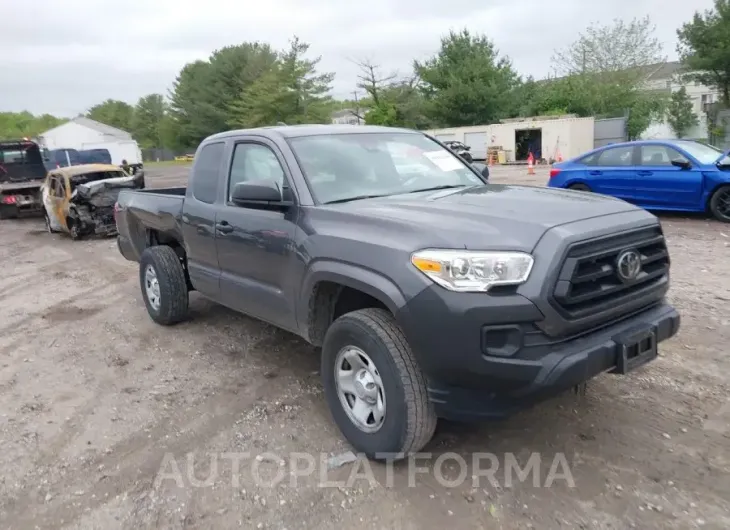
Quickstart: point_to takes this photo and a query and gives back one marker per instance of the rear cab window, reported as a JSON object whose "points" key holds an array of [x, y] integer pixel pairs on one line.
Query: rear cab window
{"points": [[204, 181]]}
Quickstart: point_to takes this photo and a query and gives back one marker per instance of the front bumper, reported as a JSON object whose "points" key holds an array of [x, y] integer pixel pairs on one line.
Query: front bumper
{"points": [[478, 371]]}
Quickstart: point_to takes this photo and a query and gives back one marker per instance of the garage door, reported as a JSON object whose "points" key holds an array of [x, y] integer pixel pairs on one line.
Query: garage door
{"points": [[478, 143]]}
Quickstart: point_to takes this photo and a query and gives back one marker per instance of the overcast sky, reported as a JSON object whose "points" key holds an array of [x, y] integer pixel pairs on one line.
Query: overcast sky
{"points": [[63, 57]]}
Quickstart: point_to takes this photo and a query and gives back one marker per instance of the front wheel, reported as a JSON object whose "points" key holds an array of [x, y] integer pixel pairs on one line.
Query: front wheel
{"points": [[163, 283], [74, 229], [374, 387], [720, 204]]}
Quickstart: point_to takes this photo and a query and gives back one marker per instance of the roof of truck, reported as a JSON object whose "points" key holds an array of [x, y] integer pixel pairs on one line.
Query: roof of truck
{"points": [[82, 169], [293, 131]]}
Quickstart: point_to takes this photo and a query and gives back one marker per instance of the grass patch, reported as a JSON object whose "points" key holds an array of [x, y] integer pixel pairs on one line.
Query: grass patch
{"points": [[165, 163]]}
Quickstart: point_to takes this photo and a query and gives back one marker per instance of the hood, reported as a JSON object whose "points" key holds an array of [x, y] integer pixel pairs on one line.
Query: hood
{"points": [[722, 156], [496, 217], [97, 186]]}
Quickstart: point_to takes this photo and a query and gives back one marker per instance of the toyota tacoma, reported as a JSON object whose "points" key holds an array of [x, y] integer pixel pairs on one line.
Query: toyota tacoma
{"points": [[431, 293]]}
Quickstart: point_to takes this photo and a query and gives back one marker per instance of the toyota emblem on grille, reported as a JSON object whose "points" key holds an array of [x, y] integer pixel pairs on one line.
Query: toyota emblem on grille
{"points": [[628, 265]]}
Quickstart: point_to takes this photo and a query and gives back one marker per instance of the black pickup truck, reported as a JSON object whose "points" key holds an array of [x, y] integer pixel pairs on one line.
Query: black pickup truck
{"points": [[431, 293]]}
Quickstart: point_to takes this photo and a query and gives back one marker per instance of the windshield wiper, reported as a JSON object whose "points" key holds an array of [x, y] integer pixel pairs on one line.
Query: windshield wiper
{"points": [[355, 198], [444, 187]]}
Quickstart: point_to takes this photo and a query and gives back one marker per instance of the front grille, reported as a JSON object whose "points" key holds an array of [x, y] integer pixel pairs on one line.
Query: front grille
{"points": [[589, 281]]}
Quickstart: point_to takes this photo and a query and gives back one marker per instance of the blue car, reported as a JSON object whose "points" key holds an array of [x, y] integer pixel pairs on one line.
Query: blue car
{"points": [[678, 175]]}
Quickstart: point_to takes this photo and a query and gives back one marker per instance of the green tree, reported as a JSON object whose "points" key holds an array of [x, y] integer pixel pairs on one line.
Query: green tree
{"points": [[618, 47], [114, 113], [149, 114], [704, 48], [15, 125], [170, 134], [390, 100], [604, 72], [680, 115], [645, 109], [467, 82], [290, 90], [204, 90]]}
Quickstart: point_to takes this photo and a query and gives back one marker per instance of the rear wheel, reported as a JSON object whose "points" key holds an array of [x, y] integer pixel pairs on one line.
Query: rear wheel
{"points": [[163, 283], [720, 204], [578, 186], [374, 387]]}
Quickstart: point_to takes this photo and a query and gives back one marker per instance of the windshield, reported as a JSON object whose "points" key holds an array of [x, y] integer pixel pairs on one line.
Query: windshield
{"points": [[705, 154], [341, 167]]}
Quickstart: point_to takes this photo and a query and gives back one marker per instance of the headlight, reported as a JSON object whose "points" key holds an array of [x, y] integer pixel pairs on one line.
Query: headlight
{"points": [[470, 271]]}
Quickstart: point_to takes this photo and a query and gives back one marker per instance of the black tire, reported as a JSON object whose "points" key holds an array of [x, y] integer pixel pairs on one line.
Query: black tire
{"points": [[578, 186], [173, 287], [719, 201], [410, 419], [74, 230]]}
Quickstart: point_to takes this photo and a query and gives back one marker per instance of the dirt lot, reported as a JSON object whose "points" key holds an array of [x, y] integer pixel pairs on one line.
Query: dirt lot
{"points": [[96, 401]]}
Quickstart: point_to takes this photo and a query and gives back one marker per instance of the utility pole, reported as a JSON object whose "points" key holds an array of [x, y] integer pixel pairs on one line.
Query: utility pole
{"points": [[357, 106]]}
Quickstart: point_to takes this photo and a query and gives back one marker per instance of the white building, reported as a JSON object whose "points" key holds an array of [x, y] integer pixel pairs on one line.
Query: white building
{"points": [[347, 117], [81, 131], [668, 77], [545, 137], [84, 133]]}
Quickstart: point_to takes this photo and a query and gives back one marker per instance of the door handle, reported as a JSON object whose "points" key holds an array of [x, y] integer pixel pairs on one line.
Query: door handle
{"points": [[644, 173], [223, 227], [595, 172]]}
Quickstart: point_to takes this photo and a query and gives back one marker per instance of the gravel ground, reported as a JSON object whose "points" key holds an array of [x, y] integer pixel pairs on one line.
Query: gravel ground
{"points": [[109, 421]]}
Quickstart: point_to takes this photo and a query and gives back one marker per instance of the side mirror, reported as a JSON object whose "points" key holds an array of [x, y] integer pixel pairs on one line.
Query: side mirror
{"points": [[257, 192], [684, 164]]}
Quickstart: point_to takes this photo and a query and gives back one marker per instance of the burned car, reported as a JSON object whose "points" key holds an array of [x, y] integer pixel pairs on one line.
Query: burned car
{"points": [[79, 200]]}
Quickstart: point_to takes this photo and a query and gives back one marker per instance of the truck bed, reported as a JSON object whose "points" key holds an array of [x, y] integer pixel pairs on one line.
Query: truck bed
{"points": [[159, 210], [20, 185], [164, 191]]}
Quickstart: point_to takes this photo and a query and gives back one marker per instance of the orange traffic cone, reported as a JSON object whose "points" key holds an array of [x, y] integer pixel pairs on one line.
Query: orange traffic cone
{"points": [[530, 166]]}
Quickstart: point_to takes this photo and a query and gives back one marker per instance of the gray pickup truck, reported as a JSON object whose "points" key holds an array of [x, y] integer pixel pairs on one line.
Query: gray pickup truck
{"points": [[431, 293]]}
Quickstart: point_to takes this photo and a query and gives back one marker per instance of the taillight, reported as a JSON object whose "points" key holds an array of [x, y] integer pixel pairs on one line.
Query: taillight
{"points": [[554, 172], [10, 199]]}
